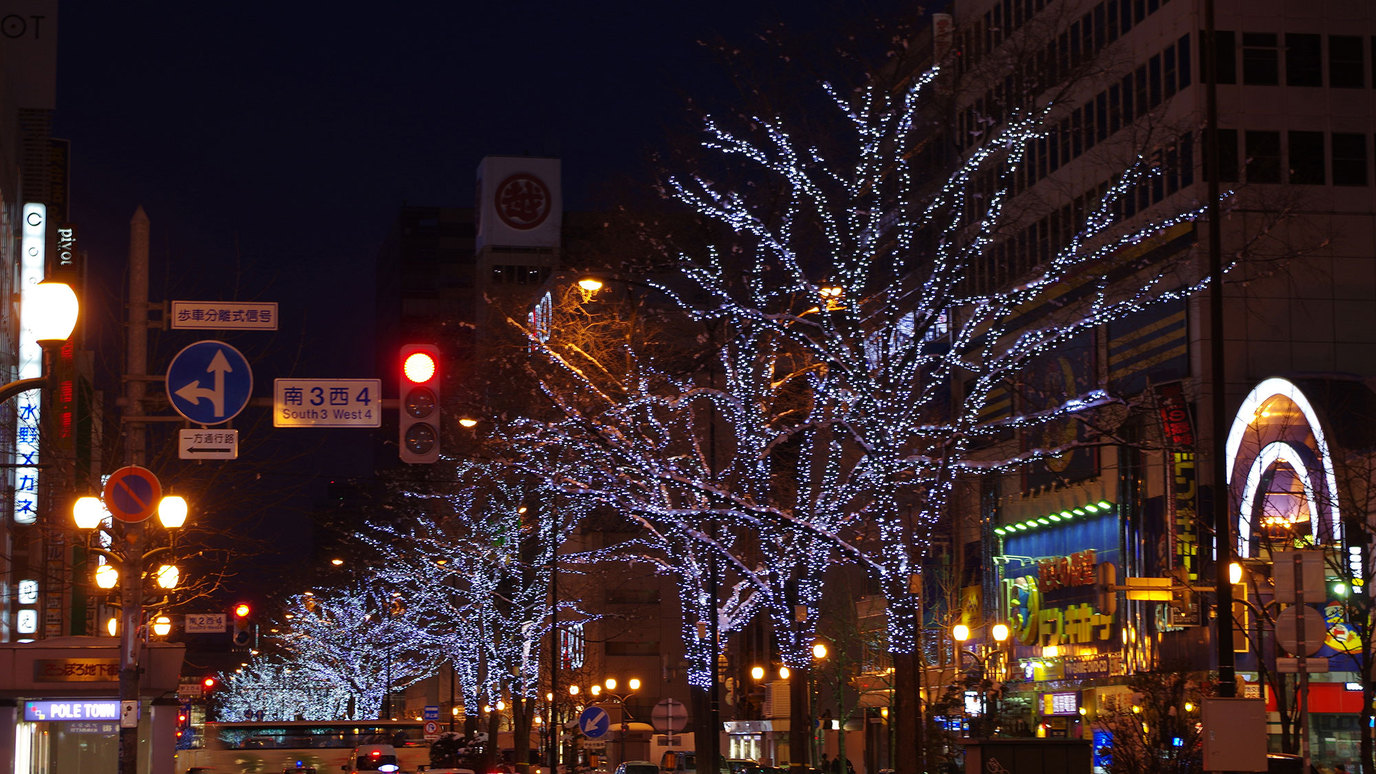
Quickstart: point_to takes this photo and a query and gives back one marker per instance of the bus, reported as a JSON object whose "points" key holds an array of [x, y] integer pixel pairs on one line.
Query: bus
{"points": [[267, 747]]}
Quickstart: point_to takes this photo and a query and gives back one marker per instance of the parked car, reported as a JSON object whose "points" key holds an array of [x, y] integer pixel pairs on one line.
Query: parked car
{"points": [[637, 767], [372, 757], [678, 762]]}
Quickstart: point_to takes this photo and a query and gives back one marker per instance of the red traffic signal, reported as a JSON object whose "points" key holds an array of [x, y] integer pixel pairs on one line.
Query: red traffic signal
{"points": [[418, 423], [208, 683], [242, 636]]}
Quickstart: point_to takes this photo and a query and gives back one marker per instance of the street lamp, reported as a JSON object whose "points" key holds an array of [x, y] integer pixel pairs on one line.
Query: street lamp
{"points": [[49, 314], [610, 684], [128, 561], [989, 664]]}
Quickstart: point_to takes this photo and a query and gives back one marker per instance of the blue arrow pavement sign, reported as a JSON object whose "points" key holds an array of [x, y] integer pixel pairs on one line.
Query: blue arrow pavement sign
{"points": [[209, 382], [594, 722]]}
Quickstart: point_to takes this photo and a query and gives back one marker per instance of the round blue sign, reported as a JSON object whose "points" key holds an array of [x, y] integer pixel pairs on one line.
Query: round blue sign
{"points": [[594, 722], [209, 382]]}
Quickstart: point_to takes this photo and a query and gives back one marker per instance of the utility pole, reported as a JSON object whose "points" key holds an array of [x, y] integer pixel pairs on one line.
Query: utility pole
{"points": [[135, 452]]}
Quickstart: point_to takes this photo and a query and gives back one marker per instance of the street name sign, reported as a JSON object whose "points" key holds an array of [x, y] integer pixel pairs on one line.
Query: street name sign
{"points": [[327, 403], [431, 712], [207, 444], [205, 623], [224, 315], [209, 382]]}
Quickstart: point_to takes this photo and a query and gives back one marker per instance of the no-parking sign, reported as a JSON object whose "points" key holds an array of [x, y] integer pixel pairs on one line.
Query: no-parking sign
{"points": [[132, 493]]}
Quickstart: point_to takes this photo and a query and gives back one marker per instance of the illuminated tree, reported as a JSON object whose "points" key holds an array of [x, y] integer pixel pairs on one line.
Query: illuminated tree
{"points": [[357, 641], [276, 690], [473, 563]]}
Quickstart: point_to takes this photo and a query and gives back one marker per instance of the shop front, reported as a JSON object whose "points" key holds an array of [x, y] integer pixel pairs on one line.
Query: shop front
{"points": [[60, 709]]}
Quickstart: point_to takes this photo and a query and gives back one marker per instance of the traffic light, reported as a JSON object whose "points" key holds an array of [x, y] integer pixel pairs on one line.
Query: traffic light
{"points": [[242, 636], [1106, 577], [208, 684], [419, 423]]}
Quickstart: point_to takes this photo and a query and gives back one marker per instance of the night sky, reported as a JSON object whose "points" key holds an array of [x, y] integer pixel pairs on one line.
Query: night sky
{"points": [[272, 145]]}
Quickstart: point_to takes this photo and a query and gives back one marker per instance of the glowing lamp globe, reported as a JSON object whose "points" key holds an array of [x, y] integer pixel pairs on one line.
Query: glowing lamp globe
{"points": [[107, 576], [819, 650], [162, 625], [50, 311], [611, 683], [172, 511], [635, 683], [168, 576], [88, 512], [1000, 632], [757, 672], [590, 284], [960, 632]]}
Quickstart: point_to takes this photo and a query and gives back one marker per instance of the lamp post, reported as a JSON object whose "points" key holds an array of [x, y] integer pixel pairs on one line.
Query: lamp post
{"points": [[988, 664], [610, 689], [128, 565]]}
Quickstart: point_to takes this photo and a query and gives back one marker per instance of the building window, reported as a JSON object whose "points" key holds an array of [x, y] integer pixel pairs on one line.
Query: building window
{"points": [[1303, 60], [1345, 62], [1227, 156], [510, 274], [1306, 158], [1260, 59], [1349, 159], [1263, 157], [1225, 45], [1183, 46]]}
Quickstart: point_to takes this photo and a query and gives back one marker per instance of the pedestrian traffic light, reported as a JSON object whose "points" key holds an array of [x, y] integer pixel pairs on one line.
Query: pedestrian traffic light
{"points": [[419, 424], [208, 684], [242, 636]]}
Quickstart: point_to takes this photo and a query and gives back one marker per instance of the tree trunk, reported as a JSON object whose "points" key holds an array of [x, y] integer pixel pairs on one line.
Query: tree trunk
{"points": [[905, 715], [1367, 751], [493, 749], [520, 733], [800, 719]]}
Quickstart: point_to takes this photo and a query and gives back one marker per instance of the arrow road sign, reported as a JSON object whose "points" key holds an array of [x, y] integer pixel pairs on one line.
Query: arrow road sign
{"points": [[594, 722], [205, 444], [209, 382]]}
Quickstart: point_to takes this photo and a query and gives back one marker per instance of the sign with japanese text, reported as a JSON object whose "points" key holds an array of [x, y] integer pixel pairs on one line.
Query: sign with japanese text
{"points": [[205, 623], [69, 670], [327, 403], [1061, 703], [208, 444], [224, 315]]}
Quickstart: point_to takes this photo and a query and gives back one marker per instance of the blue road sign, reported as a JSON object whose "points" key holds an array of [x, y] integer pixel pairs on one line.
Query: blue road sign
{"points": [[432, 712], [594, 722], [209, 382]]}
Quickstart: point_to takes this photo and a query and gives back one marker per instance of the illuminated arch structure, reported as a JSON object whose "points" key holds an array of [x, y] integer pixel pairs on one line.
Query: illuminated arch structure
{"points": [[1280, 469]]}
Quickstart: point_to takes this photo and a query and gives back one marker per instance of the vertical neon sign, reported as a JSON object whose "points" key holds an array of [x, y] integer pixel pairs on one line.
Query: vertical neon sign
{"points": [[31, 269]]}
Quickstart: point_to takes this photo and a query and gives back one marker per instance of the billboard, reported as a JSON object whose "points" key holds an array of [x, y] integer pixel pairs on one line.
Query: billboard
{"points": [[520, 203]]}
